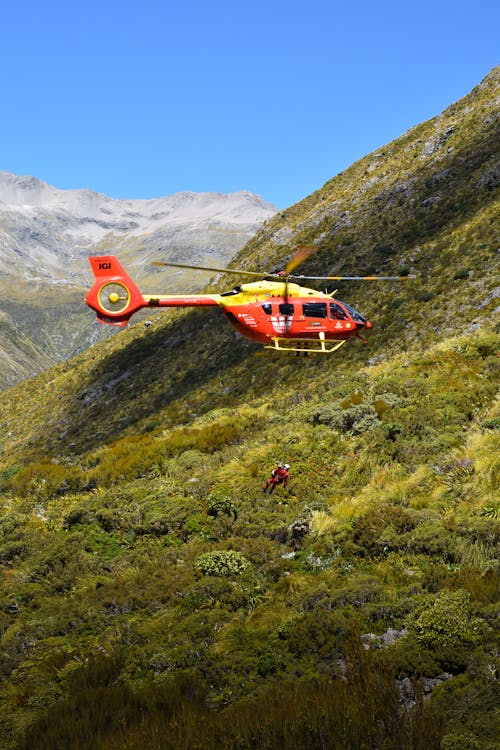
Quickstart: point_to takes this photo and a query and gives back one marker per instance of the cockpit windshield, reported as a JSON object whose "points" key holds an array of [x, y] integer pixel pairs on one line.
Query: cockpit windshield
{"points": [[355, 315]]}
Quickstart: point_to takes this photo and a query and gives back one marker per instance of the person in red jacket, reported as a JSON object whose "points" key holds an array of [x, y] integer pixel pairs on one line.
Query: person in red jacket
{"points": [[279, 475]]}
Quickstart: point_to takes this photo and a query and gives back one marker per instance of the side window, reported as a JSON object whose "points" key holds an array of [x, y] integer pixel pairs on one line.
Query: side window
{"points": [[286, 308], [268, 308], [336, 312], [314, 309]]}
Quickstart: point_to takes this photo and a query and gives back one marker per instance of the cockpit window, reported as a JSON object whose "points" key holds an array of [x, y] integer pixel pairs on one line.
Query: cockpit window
{"points": [[336, 312], [314, 309], [286, 308], [355, 315], [267, 307]]}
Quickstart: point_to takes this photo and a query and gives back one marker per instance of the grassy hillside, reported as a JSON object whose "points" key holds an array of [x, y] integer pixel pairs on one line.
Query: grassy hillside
{"points": [[20, 357], [154, 597], [40, 327]]}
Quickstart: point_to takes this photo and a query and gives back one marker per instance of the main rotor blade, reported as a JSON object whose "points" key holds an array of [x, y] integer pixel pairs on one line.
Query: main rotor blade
{"points": [[353, 278], [300, 255], [237, 271]]}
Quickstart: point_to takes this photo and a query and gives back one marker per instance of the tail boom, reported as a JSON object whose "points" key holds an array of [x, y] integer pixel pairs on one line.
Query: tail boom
{"points": [[115, 297]]}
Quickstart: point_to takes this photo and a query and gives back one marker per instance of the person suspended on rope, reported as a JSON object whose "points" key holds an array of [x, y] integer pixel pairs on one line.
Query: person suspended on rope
{"points": [[279, 475]]}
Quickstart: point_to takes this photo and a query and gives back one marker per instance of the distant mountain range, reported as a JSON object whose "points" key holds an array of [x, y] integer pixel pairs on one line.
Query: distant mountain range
{"points": [[46, 236]]}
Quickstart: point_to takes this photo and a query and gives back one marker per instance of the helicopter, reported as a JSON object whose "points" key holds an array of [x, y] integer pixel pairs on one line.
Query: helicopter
{"points": [[274, 310]]}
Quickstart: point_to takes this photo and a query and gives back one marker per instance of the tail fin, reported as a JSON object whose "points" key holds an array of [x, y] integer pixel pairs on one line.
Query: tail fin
{"points": [[114, 296]]}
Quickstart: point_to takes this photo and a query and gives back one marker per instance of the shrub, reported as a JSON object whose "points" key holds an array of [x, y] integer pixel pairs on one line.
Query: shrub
{"points": [[221, 563], [492, 424], [9, 472], [76, 516], [397, 302], [269, 663], [411, 658], [12, 550], [425, 296], [387, 526], [108, 519], [445, 619], [445, 625], [460, 740], [356, 418], [220, 502]]}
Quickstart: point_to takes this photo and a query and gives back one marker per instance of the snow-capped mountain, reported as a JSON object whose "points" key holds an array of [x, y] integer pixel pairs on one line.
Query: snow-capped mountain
{"points": [[47, 234]]}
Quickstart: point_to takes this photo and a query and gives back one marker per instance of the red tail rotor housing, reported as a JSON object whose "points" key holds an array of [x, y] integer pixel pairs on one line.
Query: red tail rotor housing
{"points": [[114, 296]]}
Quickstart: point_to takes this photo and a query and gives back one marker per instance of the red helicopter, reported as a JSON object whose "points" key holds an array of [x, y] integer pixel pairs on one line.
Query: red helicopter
{"points": [[274, 311]]}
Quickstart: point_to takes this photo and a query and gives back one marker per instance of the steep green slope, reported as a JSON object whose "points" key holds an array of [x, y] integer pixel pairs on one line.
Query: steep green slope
{"points": [[20, 357], [153, 596], [156, 559], [62, 328]]}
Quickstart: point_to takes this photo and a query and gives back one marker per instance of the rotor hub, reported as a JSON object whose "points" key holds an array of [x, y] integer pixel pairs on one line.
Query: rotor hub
{"points": [[114, 297]]}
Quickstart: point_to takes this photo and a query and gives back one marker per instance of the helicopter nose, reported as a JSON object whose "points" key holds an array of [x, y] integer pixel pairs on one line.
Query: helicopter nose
{"points": [[366, 325]]}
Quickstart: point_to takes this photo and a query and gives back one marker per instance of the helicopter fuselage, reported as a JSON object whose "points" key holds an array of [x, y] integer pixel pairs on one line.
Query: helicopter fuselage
{"points": [[265, 310], [280, 314]]}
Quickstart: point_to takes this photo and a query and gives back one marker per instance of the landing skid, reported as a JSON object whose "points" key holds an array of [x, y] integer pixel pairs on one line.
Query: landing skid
{"points": [[319, 345]]}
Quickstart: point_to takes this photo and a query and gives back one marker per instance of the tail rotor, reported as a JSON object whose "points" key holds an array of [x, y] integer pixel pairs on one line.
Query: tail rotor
{"points": [[114, 296]]}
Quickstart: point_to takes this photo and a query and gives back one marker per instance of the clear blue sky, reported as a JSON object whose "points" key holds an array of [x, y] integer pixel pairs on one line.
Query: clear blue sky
{"points": [[141, 99]]}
